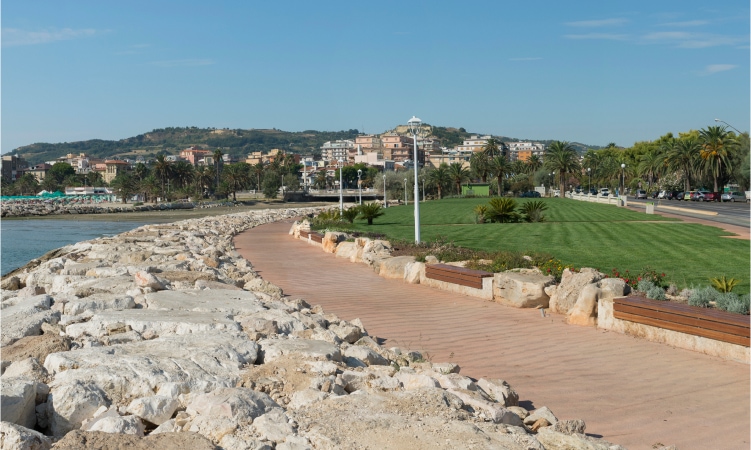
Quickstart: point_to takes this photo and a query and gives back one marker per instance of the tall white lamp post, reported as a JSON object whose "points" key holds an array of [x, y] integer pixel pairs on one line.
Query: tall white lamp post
{"points": [[623, 177], [385, 205], [589, 172], [415, 127], [406, 202], [736, 129], [359, 183], [341, 196]]}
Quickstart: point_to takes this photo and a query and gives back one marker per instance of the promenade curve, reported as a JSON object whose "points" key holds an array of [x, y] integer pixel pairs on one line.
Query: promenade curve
{"points": [[630, 391]]}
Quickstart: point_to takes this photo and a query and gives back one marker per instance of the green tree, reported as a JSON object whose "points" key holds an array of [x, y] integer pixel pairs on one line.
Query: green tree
{"points": [[491, 149], [237, 177], [500, 167], [534, 163], [681, 155], [125, 185], [204, 179], [321, 180], [163, 171], [561, 158], [60, 170], [440, 178], [183, 173], [478, 163], [26, 185], [271, 184], [717, 144], [458, 174], [218, 163], [370, 211], [502, 210]]}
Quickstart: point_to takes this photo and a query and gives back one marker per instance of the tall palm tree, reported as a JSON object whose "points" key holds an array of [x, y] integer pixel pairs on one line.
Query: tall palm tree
{"points": [[218, 165], [258, 170], [478, 162], [237, 177], [458, 174], [162, 170], [439, 177], [491, 149], [320, 180], [140, 171], [682, 155], [717, 144], [500, 167], [534, 163], [561, 158], [651, 165], [183, 172], [205, 179]]}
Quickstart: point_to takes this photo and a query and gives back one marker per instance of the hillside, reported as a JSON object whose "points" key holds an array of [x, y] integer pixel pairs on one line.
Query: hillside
{"points": [[236, 142]]}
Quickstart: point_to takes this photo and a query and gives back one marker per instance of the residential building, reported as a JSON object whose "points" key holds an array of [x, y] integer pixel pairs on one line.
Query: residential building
{"points": [[336, 150], [450, 156], [39, 171], [12, 167], [474, 143], [366, 141], [113, 168], [194, 154], [522, 151]]}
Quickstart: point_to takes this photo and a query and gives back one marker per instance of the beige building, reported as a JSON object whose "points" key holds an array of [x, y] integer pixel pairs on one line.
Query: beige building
{"points": [[113, 168], [522, 151]]}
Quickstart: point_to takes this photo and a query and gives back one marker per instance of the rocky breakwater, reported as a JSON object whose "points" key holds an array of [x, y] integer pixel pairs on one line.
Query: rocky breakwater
{"points": [[164, 337], [40, 208]]}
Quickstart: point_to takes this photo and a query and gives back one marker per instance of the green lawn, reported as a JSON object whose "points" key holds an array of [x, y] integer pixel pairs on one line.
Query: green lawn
{"points": [[584, 235]]}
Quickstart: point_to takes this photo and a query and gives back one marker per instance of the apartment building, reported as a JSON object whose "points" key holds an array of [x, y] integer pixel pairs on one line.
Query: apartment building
{"points": [[366, 141], [12, 167], [336, 150], [474, 143], [194, 154], [522, 151]]}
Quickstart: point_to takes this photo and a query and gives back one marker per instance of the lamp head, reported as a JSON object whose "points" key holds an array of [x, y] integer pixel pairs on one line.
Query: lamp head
{"points": [[414, 125], [623, 165], [359, 172], [717, 120]]}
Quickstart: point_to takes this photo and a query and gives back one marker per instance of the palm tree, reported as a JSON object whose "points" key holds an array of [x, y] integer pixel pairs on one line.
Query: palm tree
{"points": [[237, 177], [205, 179], [183, 172], [162, 170], [717, 144], [478, 162], [439, 177], [534, 163], [681, 155], [258, 170], [218, 165], [320, 180], [502, 210], [458, 174], [491, 149], [500, 166], [651, 164], [370, 211], [140, 171], [561, 158]]}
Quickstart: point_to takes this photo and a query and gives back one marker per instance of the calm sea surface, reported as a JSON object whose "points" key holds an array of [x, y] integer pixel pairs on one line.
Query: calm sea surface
{"points": [[22, 240]]}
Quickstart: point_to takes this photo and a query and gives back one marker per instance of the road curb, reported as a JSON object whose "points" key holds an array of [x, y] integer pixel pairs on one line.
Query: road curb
{"points": [[688, 210]]}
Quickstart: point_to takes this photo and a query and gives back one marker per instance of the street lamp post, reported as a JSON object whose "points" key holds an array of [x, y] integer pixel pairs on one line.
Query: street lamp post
{"points": [[385, 204], [736, 129], [415, 126], [623, 177], [406, 202], [359, 183], [589, 172], [423, 189], [341, 195]]}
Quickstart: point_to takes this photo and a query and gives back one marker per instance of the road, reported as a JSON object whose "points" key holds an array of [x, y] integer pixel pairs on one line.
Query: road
{"points": [[733, 213]]}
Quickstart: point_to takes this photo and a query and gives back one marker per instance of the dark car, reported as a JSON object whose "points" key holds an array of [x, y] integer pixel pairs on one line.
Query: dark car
{"points": [[530, 194], [593, 191], [677, 195]]}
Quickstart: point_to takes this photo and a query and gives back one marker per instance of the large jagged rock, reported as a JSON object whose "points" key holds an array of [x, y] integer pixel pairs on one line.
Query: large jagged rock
{"points": [[24, 316], [523, 289], [16, 437], [17, 401], [584, 311], [69, 404], [331, 240], [395, 268], [564, 296]]}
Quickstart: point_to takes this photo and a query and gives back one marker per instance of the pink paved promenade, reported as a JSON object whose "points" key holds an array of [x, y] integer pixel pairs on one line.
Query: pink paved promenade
{"points": [[627, 390]]}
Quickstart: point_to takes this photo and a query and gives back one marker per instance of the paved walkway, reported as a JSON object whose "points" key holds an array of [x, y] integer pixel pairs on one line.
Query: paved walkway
{"points": [[630, 391]]}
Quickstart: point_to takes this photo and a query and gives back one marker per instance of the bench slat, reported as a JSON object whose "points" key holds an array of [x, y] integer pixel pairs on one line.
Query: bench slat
{"points": [[703, 332], [477, 284], [456, 269], [684, 320], [686, 310], [447, 273]]}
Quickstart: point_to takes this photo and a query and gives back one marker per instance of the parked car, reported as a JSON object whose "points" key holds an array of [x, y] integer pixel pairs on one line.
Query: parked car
{"points": [[698, 196], [689, 195], [592, 191], [640, 193], [530, 194], [604, 192], [733, 197], [677, 195], [711, 197], [556, 193]]}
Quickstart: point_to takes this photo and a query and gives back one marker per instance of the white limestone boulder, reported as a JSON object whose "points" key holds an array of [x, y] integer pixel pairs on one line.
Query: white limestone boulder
{"points": [[395, 267], [155, 409], [273, 425], [366, 355], [522, 289], [69, 404], [331, 240], [584, 311], [305, 349], [232, 403], [500, 391], [18, 400], [492, 411], [215, 301], [16, 437], [565, 295], [99, 302], [119, 425]]}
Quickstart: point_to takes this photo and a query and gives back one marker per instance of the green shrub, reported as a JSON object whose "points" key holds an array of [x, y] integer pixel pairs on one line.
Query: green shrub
{"points": [[656, 293], [728, 301], [370, 211], [702, 296], [553, 267], [350, 214], [645, 286], [503, 210], [723, 284], [533, 211], [480, 212]]}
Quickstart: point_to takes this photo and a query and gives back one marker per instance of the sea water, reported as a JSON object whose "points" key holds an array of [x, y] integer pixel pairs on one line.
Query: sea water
{"points": [[22, 240]]}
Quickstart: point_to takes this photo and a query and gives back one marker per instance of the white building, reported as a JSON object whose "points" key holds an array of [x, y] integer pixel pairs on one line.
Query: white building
{"points": [[474, 144], [522, 151], [336, 150]]}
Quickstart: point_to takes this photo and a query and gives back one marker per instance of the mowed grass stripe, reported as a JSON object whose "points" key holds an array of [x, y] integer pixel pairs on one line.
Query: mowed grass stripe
{"points": [[584, 235]]}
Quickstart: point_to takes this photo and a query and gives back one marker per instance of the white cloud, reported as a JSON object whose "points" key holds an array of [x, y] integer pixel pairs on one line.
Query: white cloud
{"points": [[605, 36], [684, 39], [14, 37], [529, 58], [597, 23], [688, 23], [183, 63], [716, 68]]}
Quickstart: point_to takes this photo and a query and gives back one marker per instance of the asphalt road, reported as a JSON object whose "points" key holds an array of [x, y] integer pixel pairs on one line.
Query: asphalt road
{"points": [[733, 213]]}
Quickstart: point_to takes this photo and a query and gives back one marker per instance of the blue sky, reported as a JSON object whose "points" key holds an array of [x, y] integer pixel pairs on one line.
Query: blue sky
{"points": [[588, 71]]}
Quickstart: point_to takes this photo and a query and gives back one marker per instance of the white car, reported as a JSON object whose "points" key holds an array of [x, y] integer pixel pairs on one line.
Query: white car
{"points": [[604, 192], [733, 197], [662, 194]]}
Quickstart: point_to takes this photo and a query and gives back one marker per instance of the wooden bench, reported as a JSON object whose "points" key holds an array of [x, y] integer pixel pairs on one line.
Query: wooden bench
{"points": [[457, 275], [312, 235], [709, 323]]}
